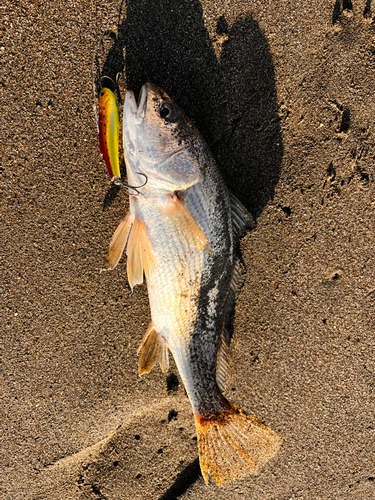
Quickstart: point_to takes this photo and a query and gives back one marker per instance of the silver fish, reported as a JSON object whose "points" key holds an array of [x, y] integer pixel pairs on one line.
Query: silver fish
{"points": [[180, 233]]}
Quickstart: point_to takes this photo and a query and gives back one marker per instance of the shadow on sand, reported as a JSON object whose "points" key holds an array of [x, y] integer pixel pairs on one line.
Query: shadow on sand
{"points": [[232, 101]]}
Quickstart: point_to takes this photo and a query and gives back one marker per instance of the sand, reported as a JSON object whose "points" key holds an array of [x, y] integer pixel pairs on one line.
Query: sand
{"points": [[284, 93]]}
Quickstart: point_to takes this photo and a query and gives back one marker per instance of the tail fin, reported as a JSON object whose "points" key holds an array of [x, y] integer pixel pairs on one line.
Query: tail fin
{"points": [[233, 444]]}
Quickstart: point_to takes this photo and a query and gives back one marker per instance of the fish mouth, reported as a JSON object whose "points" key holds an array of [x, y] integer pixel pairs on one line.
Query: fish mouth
{"points": [[131, 108], [142, 101], [133, 116]]}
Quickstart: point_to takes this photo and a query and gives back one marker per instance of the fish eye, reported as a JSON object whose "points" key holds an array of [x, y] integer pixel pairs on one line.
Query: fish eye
{"points": [[169, 111]]}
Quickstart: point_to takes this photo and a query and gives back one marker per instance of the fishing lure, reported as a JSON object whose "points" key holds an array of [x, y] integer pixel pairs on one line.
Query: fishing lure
{"points": [[109, 126]]}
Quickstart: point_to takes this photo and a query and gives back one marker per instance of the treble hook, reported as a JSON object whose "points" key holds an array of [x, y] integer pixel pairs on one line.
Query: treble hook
{"points": [[118, 182], [115, 85], [106, 78]]}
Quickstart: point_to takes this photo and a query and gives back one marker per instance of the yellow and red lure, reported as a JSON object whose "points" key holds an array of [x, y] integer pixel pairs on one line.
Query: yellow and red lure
{"points": [[109, 126]]}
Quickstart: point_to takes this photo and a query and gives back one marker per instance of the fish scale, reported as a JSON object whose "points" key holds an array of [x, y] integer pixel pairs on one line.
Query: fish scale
{"points": [[171, 275], [181, 233]]}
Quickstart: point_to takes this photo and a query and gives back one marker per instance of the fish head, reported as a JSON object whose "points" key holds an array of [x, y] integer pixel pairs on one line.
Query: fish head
{"points": [[160, 142]]}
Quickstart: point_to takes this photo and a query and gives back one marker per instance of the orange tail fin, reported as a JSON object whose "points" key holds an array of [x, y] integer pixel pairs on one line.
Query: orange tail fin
{"points": [[233, 444]]}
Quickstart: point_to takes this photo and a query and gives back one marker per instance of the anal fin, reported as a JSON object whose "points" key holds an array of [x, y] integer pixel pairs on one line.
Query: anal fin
{"points": [[153, 349]]}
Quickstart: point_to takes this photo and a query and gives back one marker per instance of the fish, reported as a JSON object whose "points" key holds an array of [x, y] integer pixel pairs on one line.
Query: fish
{"points": [[109, 126], [181, 232]]}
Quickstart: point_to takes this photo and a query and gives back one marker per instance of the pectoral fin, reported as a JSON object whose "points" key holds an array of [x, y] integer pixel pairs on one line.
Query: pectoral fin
{"points": [[118, 242], [187, 224], [153, 349], [139, 253]]}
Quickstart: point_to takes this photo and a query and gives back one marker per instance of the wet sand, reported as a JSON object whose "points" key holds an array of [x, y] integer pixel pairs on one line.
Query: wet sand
{"points": [[284, 93]]}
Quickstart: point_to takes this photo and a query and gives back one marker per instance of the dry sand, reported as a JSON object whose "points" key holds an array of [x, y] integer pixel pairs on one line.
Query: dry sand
{"points": [[284, 92]]}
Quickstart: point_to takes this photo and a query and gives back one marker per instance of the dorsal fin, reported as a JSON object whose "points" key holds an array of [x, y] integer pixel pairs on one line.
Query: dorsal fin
{"points": [[139, 253], [241, 219], [236, 283], [224, 364], [118, 242], [153, 349]]}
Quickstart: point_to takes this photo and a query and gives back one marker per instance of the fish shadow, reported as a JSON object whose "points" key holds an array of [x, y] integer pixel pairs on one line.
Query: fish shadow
{"points": [[231, 97], [184, 480]]}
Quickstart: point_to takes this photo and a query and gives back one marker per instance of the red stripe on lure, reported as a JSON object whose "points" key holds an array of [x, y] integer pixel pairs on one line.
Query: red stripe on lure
{"points": [[109, 126]]}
